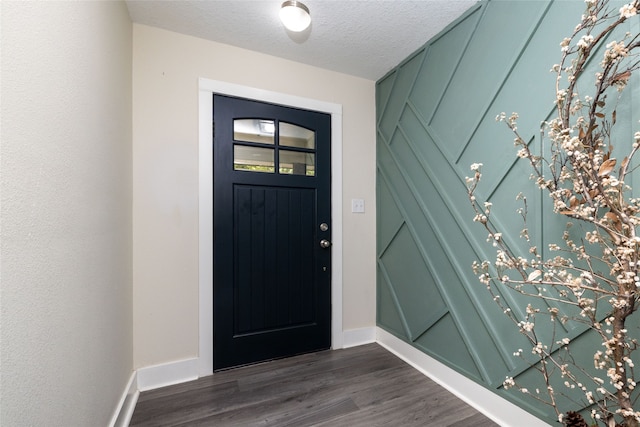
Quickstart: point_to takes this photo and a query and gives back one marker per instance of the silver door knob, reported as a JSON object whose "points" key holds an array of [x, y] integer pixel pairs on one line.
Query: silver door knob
{"points": [[324, 243]]}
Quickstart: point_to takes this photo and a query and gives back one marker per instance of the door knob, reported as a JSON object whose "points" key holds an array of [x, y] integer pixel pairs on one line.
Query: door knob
{"points": [[324, 243]]}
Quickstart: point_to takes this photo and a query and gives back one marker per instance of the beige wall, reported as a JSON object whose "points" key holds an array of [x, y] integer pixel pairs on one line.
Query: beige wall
{"points": [[66, 273], [165, 156]]}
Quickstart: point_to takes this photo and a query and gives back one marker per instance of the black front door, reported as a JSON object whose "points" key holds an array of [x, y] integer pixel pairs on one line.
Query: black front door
{"points": [[272, 231]]}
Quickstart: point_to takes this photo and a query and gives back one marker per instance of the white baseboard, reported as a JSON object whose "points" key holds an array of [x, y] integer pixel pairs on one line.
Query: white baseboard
{"points": [[122, 415], [501, 411], [177, 372], [356, 337]]}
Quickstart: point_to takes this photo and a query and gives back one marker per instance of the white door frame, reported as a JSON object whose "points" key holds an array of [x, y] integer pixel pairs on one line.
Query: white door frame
{"points": [[205, 170]]}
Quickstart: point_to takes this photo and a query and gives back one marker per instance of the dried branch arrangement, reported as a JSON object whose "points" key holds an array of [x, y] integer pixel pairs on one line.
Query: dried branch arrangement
{"points": [[593, 276]]}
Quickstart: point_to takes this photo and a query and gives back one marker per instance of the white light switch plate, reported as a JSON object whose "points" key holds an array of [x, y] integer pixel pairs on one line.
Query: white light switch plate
{"points": [[357, 205]]}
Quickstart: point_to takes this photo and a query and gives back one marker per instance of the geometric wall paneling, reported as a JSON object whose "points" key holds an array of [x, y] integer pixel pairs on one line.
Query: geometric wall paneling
{"points": [[511, 81], [450, 211], [412, 283], [435, 116], [388, 313], [528, 88], [383, 92], [389, 219], [474, 331], [443, 54], [443, 342], [422, 205], [482, 69], [397, 98], [517, 95]]}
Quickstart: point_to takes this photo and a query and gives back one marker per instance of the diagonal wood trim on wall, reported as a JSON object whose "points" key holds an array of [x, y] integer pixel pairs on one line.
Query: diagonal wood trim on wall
{"points": [[436, 116]]}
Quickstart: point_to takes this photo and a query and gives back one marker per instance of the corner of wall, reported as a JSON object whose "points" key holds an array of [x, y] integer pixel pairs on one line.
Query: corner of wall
{"points": [[127, 404]]}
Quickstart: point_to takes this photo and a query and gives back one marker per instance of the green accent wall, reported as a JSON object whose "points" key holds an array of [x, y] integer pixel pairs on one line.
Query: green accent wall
{"points": [[435, 117]]}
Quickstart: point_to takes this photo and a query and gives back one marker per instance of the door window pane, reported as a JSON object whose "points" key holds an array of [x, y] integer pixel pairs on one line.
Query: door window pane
{"points": [[254, 159], [297, 163], [296, 136], [254, 130]]}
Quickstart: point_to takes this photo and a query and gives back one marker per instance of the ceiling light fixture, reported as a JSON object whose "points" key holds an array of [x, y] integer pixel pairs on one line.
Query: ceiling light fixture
{"points": [[295, 15]]}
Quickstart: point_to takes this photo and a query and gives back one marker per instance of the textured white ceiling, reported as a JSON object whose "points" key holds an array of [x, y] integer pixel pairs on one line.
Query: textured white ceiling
{"points": [[364, 38]]}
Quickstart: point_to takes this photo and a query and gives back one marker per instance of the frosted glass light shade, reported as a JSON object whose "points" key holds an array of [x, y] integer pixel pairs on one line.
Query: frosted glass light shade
{"points": [[295, 15]]}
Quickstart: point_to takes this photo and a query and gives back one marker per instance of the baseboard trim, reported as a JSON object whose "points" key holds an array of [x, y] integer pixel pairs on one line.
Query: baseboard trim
{"points": [[501, 411], [122, 415], [356, 337], [171, 373]]}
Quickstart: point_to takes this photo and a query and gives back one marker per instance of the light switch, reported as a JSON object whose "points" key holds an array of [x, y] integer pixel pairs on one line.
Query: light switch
{"points": [[357, 205]]}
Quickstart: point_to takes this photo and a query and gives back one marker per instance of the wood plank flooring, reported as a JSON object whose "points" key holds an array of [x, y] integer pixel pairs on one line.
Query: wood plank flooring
{"points": [[361, 386]]}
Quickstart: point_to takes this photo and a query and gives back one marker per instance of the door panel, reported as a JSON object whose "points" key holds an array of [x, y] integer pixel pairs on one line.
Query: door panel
{"points": [[273, 257], [272, 279]]}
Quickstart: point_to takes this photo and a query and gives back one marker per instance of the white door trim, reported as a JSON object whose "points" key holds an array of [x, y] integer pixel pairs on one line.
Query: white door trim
{"points": [[205, 170]]}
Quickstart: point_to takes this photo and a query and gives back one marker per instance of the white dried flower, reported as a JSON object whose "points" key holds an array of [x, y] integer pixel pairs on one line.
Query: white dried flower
{"points": [[628, 10], [508, 383], [585, 41]]}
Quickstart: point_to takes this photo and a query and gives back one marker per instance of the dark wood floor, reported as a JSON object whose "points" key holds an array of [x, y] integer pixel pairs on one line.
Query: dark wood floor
{"points": [[360, 386]]}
